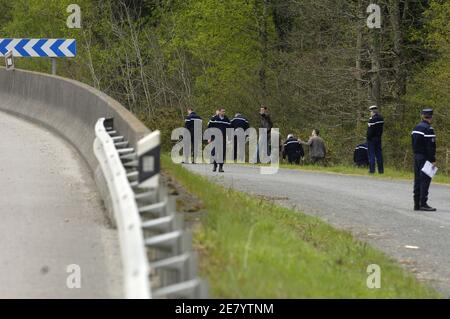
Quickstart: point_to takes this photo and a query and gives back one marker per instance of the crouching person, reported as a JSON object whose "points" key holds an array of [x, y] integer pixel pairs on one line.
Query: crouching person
{"points": [[361, 155], [293, 150]]}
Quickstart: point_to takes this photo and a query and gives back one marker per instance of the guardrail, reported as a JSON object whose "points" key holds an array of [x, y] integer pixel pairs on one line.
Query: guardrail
{"points": [[156, 253], [150, 231], [126, 215]]}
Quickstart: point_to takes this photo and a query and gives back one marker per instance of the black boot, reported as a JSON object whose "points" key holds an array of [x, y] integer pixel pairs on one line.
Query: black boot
{"points": [[215, 167], [416, 203], [221, 168], [424, 207]]}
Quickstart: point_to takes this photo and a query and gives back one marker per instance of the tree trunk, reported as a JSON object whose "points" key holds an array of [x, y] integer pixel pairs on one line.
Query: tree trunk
{"points": [[399, 71], [262, 16], [399, 68], [358, 62], [375, 77]]}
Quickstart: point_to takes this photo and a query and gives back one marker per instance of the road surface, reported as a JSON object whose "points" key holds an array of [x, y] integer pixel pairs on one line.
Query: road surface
{"points": [[51, 216], [378, 211]]}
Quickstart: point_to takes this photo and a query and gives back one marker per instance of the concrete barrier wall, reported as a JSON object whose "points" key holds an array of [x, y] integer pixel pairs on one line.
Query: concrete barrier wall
{"points": [[69, 108]]}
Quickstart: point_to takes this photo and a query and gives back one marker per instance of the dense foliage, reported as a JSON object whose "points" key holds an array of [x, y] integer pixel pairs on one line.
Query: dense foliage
{"points": [[313, 63]]}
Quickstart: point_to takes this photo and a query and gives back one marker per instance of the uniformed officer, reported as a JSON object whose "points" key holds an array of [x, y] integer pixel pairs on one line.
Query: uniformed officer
{"points": [[361, 155], [239, 122], [193, 123], [374, 135], [220, 121], [424, 148], [293, 150]]}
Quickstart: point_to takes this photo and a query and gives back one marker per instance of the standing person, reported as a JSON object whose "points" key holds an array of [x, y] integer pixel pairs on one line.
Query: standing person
{"points": [[239, 122], [293, 150], [192, 121], [374, 135], [211, 123], [361, 155], [266, 122], [424, 148], [317, 150], [221, 122]]}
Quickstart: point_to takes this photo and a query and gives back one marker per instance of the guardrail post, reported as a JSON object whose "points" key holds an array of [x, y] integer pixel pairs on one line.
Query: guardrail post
{"points": [[149, 160], [109, 123], [147, 218]]}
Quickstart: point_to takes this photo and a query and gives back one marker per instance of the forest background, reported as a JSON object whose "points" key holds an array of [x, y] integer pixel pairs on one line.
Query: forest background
{"points": [[314, 63]]}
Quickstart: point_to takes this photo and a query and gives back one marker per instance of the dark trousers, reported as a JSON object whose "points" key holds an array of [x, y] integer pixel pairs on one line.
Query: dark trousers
{"points": [[194, 152], [268, 148], [362, 164], [375, 153], [217, 159], [215, 165], [294, 159], [421, 180], [235, 151]]}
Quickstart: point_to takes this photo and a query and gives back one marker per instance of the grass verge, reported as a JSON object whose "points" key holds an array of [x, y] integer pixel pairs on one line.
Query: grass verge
{"points": [[252, 248]]}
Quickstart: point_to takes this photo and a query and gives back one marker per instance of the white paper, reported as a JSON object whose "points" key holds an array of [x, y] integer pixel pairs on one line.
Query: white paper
{"points": [[429, 169]]}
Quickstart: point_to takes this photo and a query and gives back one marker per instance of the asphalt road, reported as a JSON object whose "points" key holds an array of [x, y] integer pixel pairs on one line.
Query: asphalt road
{"points": [[378, 211], [51, 216]]}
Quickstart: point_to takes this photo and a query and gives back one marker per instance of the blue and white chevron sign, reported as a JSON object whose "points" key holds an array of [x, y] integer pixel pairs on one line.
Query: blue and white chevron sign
{"points": [[52, 48]]}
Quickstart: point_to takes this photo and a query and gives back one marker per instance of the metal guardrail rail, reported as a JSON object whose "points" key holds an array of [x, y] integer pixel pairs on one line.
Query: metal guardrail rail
{"points": [[157, 256], [126, 214]]}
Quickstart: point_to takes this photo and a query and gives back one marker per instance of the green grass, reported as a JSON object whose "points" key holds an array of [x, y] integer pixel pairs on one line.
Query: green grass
{"points": [[390, 173], [252, 248]]}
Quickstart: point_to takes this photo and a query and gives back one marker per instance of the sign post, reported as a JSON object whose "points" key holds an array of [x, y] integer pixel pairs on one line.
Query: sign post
{"points": [[9, 61], [53, 66], [39, 48]]}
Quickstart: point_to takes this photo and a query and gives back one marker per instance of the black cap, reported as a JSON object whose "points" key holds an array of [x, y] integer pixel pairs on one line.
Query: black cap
{"points": [[427, 112]]}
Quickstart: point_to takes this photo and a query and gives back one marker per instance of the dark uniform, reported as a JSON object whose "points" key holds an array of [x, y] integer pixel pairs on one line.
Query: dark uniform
{"points": [[190, 122], [222, 124], [361, 155], [239, 122], [374, 134], [424, 148], [293, 150]]}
